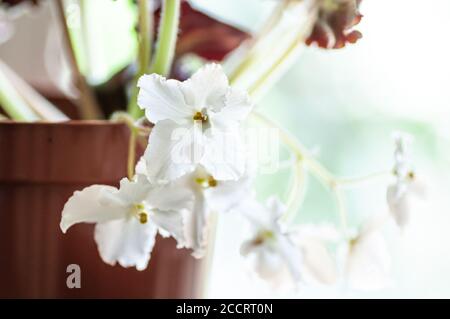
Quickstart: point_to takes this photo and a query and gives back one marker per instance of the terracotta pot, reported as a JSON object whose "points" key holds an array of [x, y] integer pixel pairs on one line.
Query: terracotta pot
{"points": [[41, 165]]}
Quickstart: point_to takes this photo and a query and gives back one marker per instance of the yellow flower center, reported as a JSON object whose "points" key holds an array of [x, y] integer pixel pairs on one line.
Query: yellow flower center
{"points": [[263, 236], [139, 212], [208, 182], [143, 218], [199, 116], [409, 175], [353, 241]]}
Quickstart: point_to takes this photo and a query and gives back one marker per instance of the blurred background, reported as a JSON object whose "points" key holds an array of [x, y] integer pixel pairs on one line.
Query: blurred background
{"points": [[345, 104]]}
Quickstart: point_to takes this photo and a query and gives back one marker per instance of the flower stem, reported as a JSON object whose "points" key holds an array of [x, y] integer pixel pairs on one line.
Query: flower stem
{"points": [[88, 104], [131, 162], [85, 35], [319, 171], [167, 37], [296, 193], [291, 51], [274, 62], [247, 60], [266, 76], [144, 54], [126, 118]]}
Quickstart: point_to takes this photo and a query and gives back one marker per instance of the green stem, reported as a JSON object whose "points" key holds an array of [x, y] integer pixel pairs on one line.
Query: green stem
{"points": [[248, 59], [85, 35], [167, 37], [123, 117], [274, 62], [285, 57], [269, 73], [144, 55], [13, 104], [131, 163], [295, 196]]}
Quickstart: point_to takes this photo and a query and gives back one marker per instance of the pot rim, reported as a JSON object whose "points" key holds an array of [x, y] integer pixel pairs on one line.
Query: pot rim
{"points": [[75, 152], [63, 123]]}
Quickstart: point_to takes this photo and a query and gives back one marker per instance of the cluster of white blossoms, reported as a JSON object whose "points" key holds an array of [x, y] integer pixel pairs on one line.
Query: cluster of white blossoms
{"points": [[194, 165]]}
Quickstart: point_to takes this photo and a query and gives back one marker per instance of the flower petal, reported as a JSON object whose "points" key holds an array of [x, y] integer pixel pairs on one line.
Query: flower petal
{"points": [[125, 241], [196, 225], [318, 262], [292, 256], [207, 88], [256, 213], [229, 194], [247, 247], [275, 209], [162, 99], [170, 152], [224, 154], [267, 263], [141, 168], [171, 223], [238, 106], [94, 204], [172, 196], [135, 191], [397, 199], [369, 265]]}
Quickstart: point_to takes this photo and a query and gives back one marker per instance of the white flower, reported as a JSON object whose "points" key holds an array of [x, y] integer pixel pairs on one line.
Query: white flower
{"points": [[279, 256], [397, 194], [196, 122], [127, 219], [366, 259], [208, 195]]}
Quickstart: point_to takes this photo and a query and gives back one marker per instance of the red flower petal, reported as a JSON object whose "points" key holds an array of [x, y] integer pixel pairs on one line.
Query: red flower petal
{"points": [[334, 25]]}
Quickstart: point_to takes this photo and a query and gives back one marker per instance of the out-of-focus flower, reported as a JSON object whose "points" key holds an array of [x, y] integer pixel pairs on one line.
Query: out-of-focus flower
{"points": [[196, 123], [366, 259], [282, 257], [335, 22], [405, 183], [127, 219]]}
